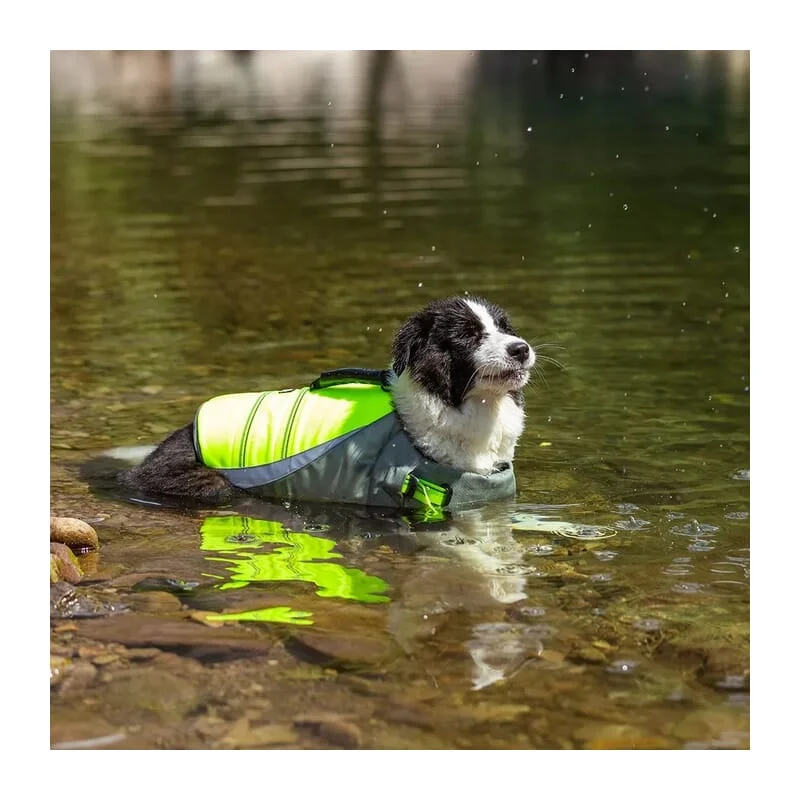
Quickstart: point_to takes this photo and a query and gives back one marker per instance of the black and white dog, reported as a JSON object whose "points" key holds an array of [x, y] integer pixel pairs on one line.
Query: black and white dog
{"points": [[459, 369]]}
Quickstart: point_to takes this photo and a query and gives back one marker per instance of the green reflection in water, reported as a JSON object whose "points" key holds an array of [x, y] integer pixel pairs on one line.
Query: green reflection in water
{"points": [[294, 556], [276, 614]]}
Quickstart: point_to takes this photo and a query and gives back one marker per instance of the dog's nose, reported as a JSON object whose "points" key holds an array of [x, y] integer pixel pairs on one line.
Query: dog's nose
{"points": [[519, 350]]}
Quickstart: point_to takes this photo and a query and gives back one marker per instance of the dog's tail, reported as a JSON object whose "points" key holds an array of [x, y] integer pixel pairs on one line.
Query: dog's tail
{"points": [[132, 455], [101, 472]]}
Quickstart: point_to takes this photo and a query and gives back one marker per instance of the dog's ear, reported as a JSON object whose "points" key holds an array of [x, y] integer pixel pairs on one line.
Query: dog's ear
{"points": [[408, 341]]}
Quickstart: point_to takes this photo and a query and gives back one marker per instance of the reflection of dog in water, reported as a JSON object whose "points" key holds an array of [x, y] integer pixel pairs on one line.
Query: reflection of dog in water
{"points": [[475, 565], [471, 565]]}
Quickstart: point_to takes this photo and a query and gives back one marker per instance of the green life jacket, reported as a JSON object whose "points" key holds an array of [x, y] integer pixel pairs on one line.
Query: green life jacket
{"points": [[337, 440]]}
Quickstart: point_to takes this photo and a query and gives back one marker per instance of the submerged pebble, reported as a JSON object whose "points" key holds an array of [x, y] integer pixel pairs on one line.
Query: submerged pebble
{"points": [[333, 728], [345, 650]]}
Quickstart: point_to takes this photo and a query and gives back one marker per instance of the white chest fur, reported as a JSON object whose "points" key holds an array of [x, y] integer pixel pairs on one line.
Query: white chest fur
{"points": [[474, 437]]}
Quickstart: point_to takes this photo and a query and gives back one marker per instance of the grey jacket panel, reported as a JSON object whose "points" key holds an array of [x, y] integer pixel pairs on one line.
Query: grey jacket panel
{"points": [[369, 468], [252, 477]]}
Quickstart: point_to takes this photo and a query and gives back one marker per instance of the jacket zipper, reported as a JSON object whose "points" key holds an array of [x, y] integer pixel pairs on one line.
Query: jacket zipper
{"points": [[290, 424]]}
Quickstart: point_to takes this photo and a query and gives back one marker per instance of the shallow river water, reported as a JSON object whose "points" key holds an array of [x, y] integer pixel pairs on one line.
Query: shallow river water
{"points": [[234, 224]]}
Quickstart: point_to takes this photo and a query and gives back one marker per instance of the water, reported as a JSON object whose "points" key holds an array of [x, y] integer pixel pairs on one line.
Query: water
{"points": [[228, 224]]}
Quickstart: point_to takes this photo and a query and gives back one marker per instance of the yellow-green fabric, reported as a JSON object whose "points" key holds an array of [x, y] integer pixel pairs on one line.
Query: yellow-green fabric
{"points": [[255, 428]]}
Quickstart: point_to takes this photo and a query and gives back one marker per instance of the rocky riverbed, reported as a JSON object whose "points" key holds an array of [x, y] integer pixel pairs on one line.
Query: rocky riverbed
{"points": [[147, 656]]}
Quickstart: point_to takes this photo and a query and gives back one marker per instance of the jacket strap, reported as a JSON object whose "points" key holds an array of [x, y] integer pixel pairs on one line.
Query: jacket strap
{"points": [[432, 497], [336, 377]]}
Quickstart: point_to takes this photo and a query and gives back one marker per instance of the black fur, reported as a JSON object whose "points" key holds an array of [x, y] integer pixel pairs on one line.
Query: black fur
{"points": [[173, 469], [438, 345]]}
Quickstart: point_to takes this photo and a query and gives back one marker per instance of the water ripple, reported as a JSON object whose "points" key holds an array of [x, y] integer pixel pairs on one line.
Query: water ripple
{"points": [[693, 528], [687, 588], [632, 524], [605, 555], [622, 666], [648, 624]]}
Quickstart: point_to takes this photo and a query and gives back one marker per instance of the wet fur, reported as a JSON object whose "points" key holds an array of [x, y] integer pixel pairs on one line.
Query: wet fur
{"points": [[459, 373]]}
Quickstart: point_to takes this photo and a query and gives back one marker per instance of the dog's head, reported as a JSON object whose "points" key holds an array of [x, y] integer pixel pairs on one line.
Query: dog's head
{"points": [[463, 345]]}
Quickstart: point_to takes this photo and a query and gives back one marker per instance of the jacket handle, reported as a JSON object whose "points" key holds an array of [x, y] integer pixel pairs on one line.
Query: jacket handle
{"points": [[336, 377]]}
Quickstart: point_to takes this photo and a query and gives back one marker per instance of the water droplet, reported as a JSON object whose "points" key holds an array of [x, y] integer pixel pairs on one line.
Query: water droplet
{"points": [[586, 55], [561, 96], [433, 248], [617, 155], [581, 98], [477, 163], [529, 128], [332, 144], [419, 285], [622, 88], [666, 127], [589, 225], [437, 146], [714, 215], [572, 69], [736, 249], [624, 206], [675, 188], [535, 61], [380, 330], [647, 88], [385, 211]]}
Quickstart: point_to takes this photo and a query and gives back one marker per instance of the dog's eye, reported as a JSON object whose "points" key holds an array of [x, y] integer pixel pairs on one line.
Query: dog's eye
{"points": [[504, 325]]}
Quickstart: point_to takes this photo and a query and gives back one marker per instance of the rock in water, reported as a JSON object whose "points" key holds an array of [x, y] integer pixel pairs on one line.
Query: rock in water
{"points": [[63, 564], [75, 533]]}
